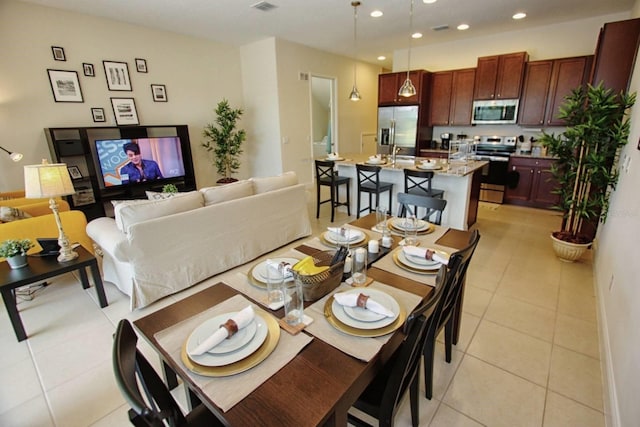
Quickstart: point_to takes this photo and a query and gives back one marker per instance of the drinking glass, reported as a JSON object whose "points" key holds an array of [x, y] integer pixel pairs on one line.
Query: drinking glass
{"points": [[381, 219], [410, 231], [293, 301], [359, 268], [275, 281]]}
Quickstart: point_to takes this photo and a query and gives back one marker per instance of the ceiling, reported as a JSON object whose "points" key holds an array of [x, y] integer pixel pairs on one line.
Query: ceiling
{"points": [[328, 24]]}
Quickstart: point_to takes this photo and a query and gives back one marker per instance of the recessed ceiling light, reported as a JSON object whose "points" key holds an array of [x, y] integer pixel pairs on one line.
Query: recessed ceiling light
{"points": [[519, 15], [463, 27], [381, 58], [376, 14], [416, 35], [429, 1]]}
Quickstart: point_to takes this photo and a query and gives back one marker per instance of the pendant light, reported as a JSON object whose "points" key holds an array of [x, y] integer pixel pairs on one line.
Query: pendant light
{"points": [[355, 95], [408, 89]]}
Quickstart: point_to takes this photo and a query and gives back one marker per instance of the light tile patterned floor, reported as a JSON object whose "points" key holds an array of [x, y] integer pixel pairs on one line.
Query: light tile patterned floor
{"points": [[527, 356]]}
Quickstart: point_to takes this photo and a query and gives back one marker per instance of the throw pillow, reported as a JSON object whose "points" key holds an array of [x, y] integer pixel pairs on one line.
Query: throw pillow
{"points": [[270, 183], [154, 195], [226, 192], [8, 214]]}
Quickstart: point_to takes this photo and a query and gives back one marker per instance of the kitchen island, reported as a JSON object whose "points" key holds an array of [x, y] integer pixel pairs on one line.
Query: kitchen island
{"points": [[460, 182]]}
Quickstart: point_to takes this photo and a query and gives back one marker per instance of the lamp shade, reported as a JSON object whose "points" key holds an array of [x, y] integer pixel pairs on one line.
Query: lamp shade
{"points": [[47, 180]]}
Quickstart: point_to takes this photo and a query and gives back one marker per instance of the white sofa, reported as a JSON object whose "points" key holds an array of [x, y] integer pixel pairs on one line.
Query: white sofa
{"points": [[156, 248]]}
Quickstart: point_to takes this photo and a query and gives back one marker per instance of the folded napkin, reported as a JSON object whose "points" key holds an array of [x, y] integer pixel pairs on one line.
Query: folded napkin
{"points": [[428, 254], [286, 268], [238, 321], [361, 300], [349, 233]]}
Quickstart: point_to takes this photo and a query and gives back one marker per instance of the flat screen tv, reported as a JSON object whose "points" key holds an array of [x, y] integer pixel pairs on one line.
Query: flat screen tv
{"points": [[139, 160]]}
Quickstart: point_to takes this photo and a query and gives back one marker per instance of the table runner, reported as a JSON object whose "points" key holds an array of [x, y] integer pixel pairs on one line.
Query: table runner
{"points": [[363, 348], [225, 392]]}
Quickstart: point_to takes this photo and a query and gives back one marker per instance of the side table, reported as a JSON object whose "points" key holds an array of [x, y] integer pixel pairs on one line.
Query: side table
{"points": [[42, 268]]}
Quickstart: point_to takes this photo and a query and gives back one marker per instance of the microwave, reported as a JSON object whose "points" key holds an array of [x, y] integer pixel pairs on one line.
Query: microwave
{"points": [[502, 111]]}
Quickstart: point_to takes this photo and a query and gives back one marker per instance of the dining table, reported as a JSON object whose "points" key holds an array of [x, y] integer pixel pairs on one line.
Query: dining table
{"points": [[310, 378]]}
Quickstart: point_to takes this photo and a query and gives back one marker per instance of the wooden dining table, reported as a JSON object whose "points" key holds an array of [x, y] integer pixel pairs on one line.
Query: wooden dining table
{"points": [[320, 384]]}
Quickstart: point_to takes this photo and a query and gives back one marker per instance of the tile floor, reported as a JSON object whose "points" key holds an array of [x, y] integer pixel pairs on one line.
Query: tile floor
{"points": [[528, 353]]}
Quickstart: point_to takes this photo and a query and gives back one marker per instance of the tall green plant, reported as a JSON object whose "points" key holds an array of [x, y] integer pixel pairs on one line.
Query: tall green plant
{"points": [[587, 155], [224, 140]]}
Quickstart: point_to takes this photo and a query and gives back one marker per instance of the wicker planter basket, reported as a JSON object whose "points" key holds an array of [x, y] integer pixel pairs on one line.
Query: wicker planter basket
{"points": [[568, 252], [316, 286]]}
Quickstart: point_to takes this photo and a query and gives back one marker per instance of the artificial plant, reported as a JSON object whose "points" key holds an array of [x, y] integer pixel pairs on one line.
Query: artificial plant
{"points": [[224, 140]]}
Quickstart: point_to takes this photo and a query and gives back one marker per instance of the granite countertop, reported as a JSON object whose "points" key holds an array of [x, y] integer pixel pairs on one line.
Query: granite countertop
{"points": [[451, 169], [531, 156]]}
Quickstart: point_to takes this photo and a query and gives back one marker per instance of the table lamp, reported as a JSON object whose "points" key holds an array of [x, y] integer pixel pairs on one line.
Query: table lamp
{"points": [[51, 180]]}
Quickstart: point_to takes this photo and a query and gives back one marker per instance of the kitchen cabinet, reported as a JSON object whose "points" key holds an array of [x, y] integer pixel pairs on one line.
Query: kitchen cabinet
{"points": [[535, 184], [451, 97], [546, 83], [389, 85], [615, 54], [500, 76]]}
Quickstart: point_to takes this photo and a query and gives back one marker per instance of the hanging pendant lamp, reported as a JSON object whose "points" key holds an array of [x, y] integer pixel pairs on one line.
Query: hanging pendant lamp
{"points": [[408, 89], [355, 95]]}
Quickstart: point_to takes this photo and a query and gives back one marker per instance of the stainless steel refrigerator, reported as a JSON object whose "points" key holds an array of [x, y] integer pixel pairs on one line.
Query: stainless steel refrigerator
{"points": [[399, 125]]}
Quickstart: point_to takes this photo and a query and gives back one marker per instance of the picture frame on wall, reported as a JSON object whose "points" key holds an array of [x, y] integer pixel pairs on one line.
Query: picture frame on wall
{"points": [[124, 109], [74, 172], [58, 53], [141, 65], [159, 93], [88, 69], [65, 86], [117, 75], [98, 115]]}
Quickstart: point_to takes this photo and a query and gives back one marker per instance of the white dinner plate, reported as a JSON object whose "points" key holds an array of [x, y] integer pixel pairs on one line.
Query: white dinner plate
{"points": [[399, 224], [362, 318], [237, 341], [203, 331], [355, 236], [421, 261], [404, 259], [376, 162], [259, 272], [429, 167]]}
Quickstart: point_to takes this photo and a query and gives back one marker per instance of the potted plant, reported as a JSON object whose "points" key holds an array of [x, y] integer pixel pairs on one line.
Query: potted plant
{"points": [[225, 141], [15, 251], [586, 163], [169, 188]]}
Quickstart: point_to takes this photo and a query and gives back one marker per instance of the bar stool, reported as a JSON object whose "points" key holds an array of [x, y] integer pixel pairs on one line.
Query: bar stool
{"points": [[326, 175], [369, 182], [419, 182]]}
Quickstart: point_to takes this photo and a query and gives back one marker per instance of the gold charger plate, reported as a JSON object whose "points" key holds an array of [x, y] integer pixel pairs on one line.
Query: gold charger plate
{"points": [[363, 242], [412, 269], [333, 321], [254, 281], [430, 229], [270, 343]]}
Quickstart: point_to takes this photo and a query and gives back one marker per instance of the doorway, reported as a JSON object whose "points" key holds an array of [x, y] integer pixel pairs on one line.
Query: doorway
{"points": [[323, 117]]}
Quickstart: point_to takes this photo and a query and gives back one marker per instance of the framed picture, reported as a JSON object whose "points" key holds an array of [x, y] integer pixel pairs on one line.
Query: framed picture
{"points": [[117, 74], [65, 86], [125, 111], [98, 115], [88, 70], [74, 172], [141, 65], [58, 53], [159, 93]]}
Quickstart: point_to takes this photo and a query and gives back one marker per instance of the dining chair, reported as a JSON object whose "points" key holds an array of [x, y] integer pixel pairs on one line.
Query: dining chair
{"points": [[369, 182], [327, 176], [384, 394], [411, 202], [150, 400], [444, 315], [419, 182]]}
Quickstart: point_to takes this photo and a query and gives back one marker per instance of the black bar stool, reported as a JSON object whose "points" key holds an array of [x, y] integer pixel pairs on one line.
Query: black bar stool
{"points": [[326, 175], [419, 182], [369, 182]]}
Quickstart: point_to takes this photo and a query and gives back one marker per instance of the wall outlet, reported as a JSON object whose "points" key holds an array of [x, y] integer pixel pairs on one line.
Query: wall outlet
{"points": [[302, 76]]}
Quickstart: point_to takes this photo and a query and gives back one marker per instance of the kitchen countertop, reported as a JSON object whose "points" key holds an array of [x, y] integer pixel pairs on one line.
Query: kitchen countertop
{"points": [[448, 168], [531, 156]]}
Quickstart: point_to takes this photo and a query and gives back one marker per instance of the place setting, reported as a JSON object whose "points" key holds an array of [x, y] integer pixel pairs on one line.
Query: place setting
{"points": [[401, 225], [419, 260], [429, 165], [335, 237], [258, 275], [376, 160]]}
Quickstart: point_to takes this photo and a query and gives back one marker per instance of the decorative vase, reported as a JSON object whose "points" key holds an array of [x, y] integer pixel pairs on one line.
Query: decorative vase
{"points": [[17, 261], [567, 251]]}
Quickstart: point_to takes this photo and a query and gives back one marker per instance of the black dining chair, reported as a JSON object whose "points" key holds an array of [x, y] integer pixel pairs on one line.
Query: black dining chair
{"points": [[383, 396], [150, 400], [327, 176], [369, 182], [445, 313], [410, 203], [419, 182]]}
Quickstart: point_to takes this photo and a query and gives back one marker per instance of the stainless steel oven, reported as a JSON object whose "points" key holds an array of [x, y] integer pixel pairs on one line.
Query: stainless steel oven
{"points": [[495, 150]]}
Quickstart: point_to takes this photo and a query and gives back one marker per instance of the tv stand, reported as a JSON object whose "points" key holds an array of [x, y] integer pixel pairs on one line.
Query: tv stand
{"points": [[75, 146]]}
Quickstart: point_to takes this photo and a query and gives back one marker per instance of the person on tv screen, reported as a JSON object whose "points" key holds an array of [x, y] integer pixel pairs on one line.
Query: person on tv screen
{"points": [[138, 169]]}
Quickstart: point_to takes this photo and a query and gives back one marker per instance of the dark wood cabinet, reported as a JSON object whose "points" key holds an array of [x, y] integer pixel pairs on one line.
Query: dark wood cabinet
{"points": [[615, 54], [500, 76], [451, 97], [389, 85], [535, 184], [546, 83]]}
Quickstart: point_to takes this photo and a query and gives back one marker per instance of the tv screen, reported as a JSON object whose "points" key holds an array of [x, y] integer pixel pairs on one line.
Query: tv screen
{"points": [[131, 161]]}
